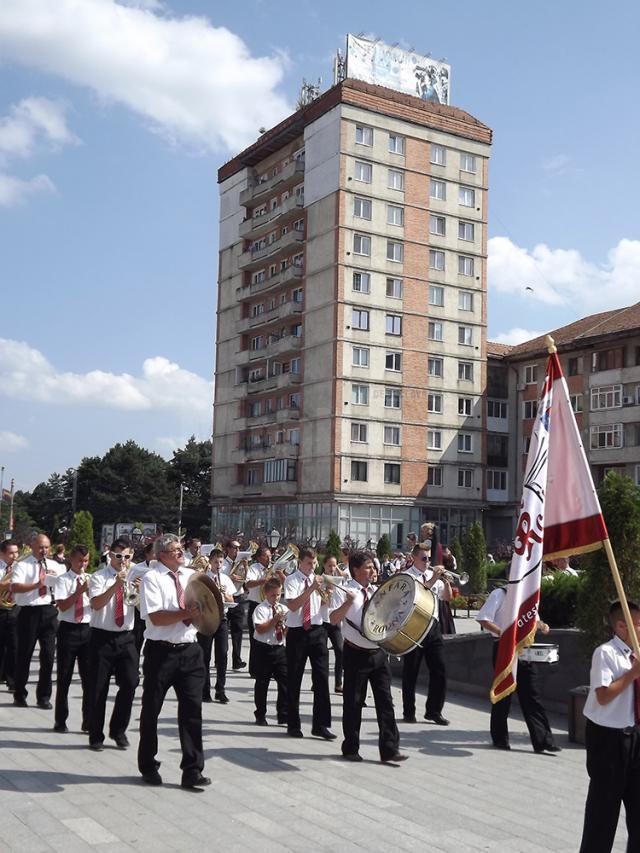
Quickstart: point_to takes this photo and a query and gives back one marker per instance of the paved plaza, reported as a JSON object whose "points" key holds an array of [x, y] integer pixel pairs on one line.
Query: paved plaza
{"points": [[272, 793]]}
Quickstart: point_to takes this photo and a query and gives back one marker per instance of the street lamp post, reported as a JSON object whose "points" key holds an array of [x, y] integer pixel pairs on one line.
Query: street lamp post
{"points": [[274, 539]]}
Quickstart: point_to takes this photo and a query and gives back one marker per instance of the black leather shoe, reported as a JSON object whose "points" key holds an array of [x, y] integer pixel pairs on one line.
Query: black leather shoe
{"points": [[395, 759], [84, 728], [238, 666], [323, 733], [408, 719], [294, 733], [438, 719], [261, 721], [45, 706], [282, 721], [96, 746], [354, 756], [222, 698], [61, 728], [207, 698], [121, 741], [199, 781], [20, 703], [152, 778], [504, 746], [542, 749]]}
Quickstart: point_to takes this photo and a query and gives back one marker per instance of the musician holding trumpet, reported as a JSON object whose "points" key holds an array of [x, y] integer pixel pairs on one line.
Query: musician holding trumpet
{"points": [[8, 614], [230, 567], [270, 659]]}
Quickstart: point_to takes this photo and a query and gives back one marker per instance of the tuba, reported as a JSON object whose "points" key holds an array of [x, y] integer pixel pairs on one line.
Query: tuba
{"points": [[280, 565], [200, 563], [6, 599]]}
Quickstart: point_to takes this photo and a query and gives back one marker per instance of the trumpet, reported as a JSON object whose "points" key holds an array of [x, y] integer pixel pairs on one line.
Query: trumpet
{"points": [[461, 578]]}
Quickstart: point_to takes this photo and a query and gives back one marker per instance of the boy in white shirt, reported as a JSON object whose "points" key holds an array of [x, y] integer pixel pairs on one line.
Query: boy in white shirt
{"points": [[269, 620], [220, 640]]}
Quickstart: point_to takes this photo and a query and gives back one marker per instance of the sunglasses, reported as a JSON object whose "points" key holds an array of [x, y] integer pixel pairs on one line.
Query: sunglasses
{"points": [[120, 556], [423, 559]]}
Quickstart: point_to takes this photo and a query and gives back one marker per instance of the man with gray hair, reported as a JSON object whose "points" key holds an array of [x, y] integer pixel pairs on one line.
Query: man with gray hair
{"points": [[172, 658]]}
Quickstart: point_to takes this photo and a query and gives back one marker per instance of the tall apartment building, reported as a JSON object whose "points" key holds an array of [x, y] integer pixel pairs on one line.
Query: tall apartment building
{"points": [[351, 337]]}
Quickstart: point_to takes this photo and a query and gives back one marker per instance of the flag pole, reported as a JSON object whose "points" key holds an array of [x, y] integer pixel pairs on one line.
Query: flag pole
{"points": [[617, 580]]}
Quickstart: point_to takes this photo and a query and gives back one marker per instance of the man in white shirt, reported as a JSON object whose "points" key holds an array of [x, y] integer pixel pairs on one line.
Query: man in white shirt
{"points": [[270, 659], [562, 566], [112, 648], [236, 614], [134, 577], [489, 616], [307, 640], [8, 615], [172, 658], [220, 640], [364, 662], [612, 738], [192, 550], [74, 613], [431, 648], [32, 581], [256, 577]]}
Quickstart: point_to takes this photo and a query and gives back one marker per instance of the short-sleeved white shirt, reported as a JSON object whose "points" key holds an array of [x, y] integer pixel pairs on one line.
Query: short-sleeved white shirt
{"points": [[158, 592], [354, 613], [66, 585], [294, 586], [609, 662], [255, 572], [28, 571], [491, 609], [226, 568], [104, 619], [263, 613]]}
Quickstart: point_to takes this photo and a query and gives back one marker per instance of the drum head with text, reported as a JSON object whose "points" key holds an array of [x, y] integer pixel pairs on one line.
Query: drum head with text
{"points": [[390, 608]]}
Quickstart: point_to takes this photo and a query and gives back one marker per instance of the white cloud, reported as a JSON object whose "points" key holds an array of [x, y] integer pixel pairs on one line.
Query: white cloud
{"points": [[564, 277], [167, 444], [14, 190], [31, 121], [515, 336], [195, 82], [11, 441], [25, 374], [558, 164]]}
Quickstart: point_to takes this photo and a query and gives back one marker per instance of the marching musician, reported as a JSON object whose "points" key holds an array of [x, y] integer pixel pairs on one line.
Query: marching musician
{"points": [[172, 658], [37, 620], [74, 614], [270, 659], [253, 584], [431, 649], [8, 614], [135, 575], [235, 615], [192, 550], [334, 632], [219, 640], [112, 648], [307, 640], [489, 617], [364, 663]]}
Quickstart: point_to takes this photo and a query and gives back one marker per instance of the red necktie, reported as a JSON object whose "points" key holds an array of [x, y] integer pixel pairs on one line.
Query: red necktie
{"points": [[42, 589], [119, 613], [80, 603], [365, 596], [306, 612], [636, 696], [279, 634], [180, 594]]}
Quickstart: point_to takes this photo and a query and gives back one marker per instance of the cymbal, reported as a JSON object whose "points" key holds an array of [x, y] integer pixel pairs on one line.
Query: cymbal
{"points": [[201, 590]]}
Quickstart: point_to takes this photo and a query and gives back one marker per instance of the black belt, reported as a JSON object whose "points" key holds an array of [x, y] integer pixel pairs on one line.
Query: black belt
{"points": [[360, 648], [627, 731], [170, 645]]}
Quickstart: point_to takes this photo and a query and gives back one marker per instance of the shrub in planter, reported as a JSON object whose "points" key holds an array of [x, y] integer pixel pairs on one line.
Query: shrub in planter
{"points": [[559, 600]]}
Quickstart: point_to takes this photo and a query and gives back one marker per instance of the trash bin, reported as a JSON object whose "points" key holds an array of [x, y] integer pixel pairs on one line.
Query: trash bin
{"points": [[577, 698]]}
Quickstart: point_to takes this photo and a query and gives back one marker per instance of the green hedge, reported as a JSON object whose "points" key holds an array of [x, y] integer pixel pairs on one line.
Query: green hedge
{"points": [[559, 600]]}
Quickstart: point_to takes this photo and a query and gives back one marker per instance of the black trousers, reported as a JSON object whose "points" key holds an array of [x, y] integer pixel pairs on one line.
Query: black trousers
{"points": [[179, 666], [529, 697], [363, 667], [220, 643], [235, 617], [270, 662], [139, 626], [251, 606], [432, 650], [8, 645], [302, 646], [334, 633], [72, 645], [111, 653], [613, 765], [37, 623]]}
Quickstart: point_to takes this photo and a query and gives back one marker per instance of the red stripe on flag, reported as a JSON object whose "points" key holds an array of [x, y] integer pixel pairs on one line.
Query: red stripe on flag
{"points": [[514, 635], [576, 534]]}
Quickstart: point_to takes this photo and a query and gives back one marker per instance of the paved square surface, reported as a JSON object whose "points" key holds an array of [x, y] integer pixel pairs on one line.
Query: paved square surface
{"points": [[272, 793]]}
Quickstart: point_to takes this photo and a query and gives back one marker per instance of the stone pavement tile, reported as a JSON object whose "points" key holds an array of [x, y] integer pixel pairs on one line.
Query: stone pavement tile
{"points": [[66, 843]]}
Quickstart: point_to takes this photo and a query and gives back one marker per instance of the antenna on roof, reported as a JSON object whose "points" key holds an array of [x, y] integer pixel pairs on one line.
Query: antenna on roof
{"points": [[309, 92]]}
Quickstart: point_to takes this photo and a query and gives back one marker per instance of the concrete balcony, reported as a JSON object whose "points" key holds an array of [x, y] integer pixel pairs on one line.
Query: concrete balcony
{"points": [[258, 225], [283, 416], [258, 192], [285, 450], [253, 259], [288, 380], [280, 312], [267, 419], [290, 343], [292, 273]]}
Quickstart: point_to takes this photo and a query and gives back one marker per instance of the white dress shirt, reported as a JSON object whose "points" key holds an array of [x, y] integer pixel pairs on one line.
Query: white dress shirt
{"points": [[437, 589], [354, 613], [28, 571], [138, 570], [491, 609], [65, 586], [226, 569], [255, 572], [294, 586], [263, 613], [225, 585], [610, 661], [105, 617], [158, 592]]}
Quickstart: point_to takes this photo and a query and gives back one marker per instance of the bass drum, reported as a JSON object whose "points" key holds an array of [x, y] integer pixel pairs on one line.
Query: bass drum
{"points": [[399, 614]]}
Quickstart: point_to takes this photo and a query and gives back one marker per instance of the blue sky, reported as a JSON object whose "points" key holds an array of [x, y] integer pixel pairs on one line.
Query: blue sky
{"points": [[114, 118]]}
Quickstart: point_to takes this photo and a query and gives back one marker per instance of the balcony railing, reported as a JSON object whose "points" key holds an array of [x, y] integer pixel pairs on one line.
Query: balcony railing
{"points": [[259, 191], [256, 225], [292, 273], [255, 258]]}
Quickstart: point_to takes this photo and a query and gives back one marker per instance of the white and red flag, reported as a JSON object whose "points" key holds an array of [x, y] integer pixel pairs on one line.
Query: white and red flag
{"points": [[559, 515]]}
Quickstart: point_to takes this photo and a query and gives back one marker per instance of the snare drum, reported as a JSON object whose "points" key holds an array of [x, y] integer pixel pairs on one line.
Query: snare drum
{"points": [[541, 653], [399, 614]]}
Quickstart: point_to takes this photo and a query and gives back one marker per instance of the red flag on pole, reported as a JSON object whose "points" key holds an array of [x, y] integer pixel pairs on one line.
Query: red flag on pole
{"points": [[559, 515]]}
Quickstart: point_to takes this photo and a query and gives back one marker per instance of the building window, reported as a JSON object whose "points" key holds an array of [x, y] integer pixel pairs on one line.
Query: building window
{"points": [[361, 282], [251, 478], [465, 300], [395, 215], [465, 442], [360, 319], [394, 288], [362, 207], [359, 471], [465, 405], [359, 433], [395, 180], [576, 402], [294, 436], [575, 366], [437, 225], [434, 403], [467, 163], [436, 295], [361, 245], [435, 367], [497, 409], [465, 478], [434, 475], [363, 172], [393, 361], [392, 435], [360, 395], [395, 252], [434, 439], [257, 343], [465, 370], [392, 398], [298, 225], [364, 135], [392, 473], [606, 436], [255, 409], [438, 154], [497, 480], [393, 324], [434, 331], [437, 189], [465, 265], [530, 374], [465, 336], [294, 401], [529, 409], [607, 359], [396, 144], [637, 475], [466, 231], [466, 197], [279, 470], [606, 397], [360, 357], [436, 260], [296, 364]]}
